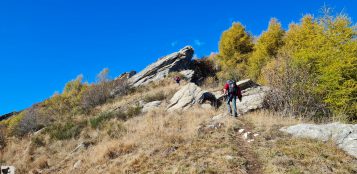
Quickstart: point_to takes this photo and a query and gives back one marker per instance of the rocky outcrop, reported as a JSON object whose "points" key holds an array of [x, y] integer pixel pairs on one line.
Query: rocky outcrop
{"points": [[174, 62], [253, 97], [185, 97], [188, 74], [126, 75], [344, 135]]}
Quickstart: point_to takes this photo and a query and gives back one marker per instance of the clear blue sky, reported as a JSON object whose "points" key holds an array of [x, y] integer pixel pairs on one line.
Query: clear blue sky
{"points": [[45, 43]]}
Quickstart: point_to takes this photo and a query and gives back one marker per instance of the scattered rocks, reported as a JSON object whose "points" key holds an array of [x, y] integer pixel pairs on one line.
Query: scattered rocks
{"points": [[247, 136], [344, 135], [204, 129], [241, 131], [174, 62]]}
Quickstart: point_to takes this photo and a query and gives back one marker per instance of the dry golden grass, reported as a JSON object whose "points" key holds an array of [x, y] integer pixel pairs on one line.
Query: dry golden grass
{"points": [[281, 153], [169, 142], [168, 87], [159, 142]]}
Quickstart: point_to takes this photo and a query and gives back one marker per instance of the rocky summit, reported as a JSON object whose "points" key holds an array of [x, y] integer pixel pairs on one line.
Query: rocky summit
{"points": [[175, 62]]}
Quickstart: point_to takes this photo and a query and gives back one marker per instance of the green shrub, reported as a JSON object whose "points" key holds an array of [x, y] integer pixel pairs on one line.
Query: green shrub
{"points": [[65, 131], [98, 120]]}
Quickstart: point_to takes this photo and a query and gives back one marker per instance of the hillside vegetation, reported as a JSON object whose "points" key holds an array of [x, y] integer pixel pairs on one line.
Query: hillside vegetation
{"points": [[309, 73], [125, 140], [312, 65]]}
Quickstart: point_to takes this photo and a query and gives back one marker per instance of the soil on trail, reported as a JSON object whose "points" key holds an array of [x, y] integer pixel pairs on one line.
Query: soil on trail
{"points": [[253, 165]]}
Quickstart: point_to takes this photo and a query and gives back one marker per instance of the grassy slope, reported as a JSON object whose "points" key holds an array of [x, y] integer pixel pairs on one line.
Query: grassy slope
{"points": [[162, 142]]}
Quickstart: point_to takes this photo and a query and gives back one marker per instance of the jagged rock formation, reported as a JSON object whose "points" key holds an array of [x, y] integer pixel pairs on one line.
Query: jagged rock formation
{"points": [[174, 62], [344, 135]]}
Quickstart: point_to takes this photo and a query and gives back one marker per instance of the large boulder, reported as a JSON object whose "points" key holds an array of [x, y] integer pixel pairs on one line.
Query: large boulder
{"points": [[253, 96], [247, 84], [174, 62], [185, 97], [344, 135], [253, 99]]}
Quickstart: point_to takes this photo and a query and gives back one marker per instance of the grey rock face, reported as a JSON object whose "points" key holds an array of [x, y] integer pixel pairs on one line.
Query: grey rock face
{"points": [[253, 96], [126, 75], [344, 135], [253, 99], [151, 105], [247, 83], [185, 97], [188, 74], [174, 62]]}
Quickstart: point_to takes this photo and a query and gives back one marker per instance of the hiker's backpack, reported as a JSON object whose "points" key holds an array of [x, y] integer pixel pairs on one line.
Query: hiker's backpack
{"points": [[233, 88]]}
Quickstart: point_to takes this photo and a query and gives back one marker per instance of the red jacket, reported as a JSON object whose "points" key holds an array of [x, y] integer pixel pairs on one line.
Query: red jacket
{"points": [[239, 93]]}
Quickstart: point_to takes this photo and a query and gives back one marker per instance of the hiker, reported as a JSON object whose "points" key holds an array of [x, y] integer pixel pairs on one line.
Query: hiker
{"points": [[232, 91], [177, 79]]}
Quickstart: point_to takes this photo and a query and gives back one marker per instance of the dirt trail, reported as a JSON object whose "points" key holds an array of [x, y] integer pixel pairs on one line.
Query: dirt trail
{"points": [[253, 165]]}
